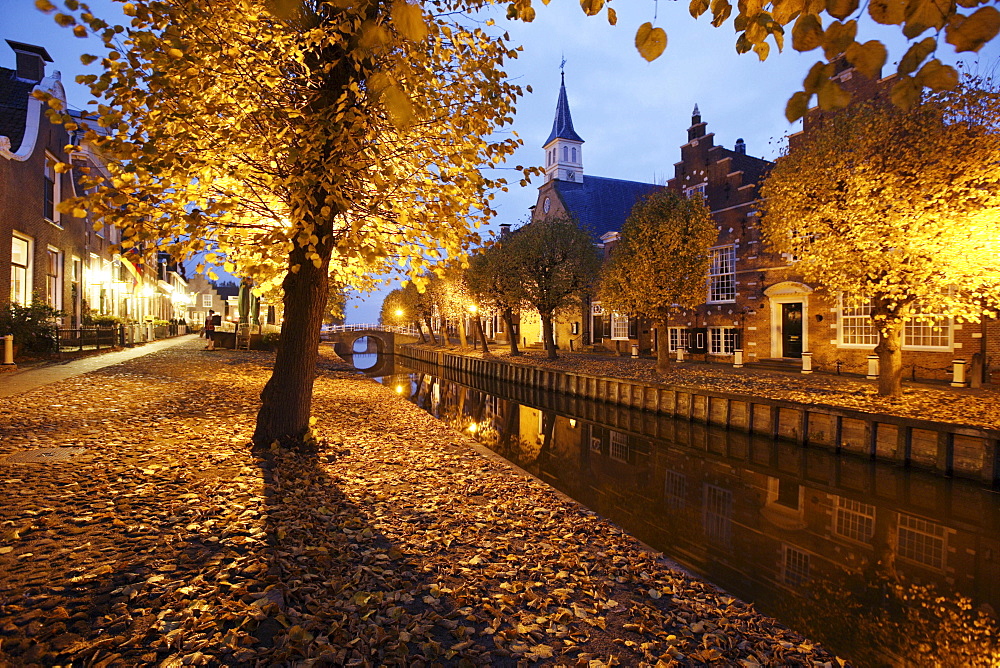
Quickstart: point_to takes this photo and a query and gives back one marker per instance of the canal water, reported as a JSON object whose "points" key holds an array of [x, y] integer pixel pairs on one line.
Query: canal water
{"points": [[883, 565]]}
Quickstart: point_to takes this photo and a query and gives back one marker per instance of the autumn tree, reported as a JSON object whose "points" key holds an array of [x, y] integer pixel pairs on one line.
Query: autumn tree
{"points": [[493, 281], [832, 26], [298, 137], [896, 211], [557, 263], [398, 307], [660, 265], [422, 303]]}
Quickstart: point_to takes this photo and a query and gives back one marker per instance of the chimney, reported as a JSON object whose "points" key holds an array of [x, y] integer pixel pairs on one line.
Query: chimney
{"points": [[740, 146], [31, 61], [504, 229]]}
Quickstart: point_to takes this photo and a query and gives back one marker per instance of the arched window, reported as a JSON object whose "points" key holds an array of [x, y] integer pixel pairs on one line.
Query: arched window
{"points": [[574, 155], [565, 153]]}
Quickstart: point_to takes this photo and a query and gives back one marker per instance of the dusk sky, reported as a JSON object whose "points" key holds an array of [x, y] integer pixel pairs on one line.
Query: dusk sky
{"points": [[633, 115]]}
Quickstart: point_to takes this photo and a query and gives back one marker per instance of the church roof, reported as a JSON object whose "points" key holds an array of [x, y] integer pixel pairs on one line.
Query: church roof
{"points": [[602, 204], [562, 126]]}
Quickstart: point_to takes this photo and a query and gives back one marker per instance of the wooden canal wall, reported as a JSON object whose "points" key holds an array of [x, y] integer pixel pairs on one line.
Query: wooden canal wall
{"points": [[948, 448]]}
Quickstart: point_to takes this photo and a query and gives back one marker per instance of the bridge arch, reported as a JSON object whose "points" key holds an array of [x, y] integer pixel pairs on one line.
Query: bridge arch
{"points": [[343, 342]]}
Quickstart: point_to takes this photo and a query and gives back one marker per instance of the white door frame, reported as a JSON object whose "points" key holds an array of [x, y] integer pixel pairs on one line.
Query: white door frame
{"points": [[788, 292]]}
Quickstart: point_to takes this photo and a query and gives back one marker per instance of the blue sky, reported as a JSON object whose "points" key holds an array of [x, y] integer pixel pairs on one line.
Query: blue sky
{"points": [[632, 114]]}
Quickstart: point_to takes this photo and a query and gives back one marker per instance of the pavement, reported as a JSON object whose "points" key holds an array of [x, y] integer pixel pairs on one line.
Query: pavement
{"points": [[23, 380], [156, 537]]}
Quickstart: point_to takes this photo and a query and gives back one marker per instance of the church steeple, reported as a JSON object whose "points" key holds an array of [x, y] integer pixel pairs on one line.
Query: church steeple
{"points": [[564, 147]]}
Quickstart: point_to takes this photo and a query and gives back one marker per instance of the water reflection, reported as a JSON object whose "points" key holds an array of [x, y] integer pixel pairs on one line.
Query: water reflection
{"points": [[883, 565]]}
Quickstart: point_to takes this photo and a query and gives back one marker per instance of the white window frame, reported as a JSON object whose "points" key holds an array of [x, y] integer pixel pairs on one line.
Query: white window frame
{"points": [[914, 535], [51, 175], [54, 281], [677, 335], [618, 447], [854, 520], [700, 188], [722, 275], [856, 319], [721, 340], [207, 299], [619, 327], [24, 298]]}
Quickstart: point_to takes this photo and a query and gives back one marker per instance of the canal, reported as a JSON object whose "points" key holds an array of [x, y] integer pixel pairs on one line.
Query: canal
{"points": [[885, 566]]}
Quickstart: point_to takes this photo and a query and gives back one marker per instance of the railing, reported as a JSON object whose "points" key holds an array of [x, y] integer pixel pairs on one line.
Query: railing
{"points": [[87, 338], [398, 329]]}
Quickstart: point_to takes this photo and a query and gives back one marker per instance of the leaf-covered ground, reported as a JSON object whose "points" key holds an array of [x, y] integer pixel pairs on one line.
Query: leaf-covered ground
{"points": [[398, 543], [930, 401]]}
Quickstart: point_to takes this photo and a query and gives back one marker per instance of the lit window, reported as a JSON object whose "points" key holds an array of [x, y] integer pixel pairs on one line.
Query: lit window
{"points": [[20, 270], [921, 541], [53, 277], [795, 566], [722, 274], [927, 330], [51, 192], [722, 340], [856, 327], [854, 520], [679, 337], [717, 514], [619, 327]]}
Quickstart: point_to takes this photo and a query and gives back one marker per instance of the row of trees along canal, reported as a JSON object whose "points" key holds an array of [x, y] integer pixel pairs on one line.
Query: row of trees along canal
{"points": [[294, 138], [888, 207]]}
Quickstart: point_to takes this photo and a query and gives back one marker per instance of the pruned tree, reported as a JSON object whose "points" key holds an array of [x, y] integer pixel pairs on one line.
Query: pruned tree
{"points": [[493, 281], [896, 211], [660, 265], [832, 25], [557, 264], [293, 138]]}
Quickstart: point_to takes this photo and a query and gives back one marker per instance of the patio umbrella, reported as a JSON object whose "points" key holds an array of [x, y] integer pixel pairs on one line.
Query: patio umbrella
{"points": [[244, 302], [254, 309]]}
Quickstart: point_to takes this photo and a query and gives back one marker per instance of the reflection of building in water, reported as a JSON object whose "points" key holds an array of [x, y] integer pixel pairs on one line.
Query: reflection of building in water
{"points": [[830, 544]]}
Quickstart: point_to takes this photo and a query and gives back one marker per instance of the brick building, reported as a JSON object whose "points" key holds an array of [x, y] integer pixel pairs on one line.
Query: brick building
{"points": [[755, 300]]}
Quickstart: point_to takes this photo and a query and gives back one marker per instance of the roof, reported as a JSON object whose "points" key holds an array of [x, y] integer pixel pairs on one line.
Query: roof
{"points": [[601, 204], [30, 48], [14, 95], [562, 126], [227, 290], [754, 169]]}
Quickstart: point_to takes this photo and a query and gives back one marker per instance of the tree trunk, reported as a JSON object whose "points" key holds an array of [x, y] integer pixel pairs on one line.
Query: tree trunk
{"points": [[444, 332], [482, 333], [463, 338], [662, 346], [508, 317], [420, 330], [430, 330], [550, 345], [890, 358], [286, 402]]}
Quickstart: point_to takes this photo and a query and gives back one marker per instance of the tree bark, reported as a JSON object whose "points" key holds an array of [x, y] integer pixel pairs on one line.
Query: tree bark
{"points": [[463, 338], [286, 401], [890, 358], [420, 330], [482, 333], [508, 317], [550, 345], [430, 330], [444, 332], [662, 346]]}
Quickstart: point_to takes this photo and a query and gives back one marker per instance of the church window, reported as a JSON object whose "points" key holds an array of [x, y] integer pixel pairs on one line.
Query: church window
{"points": [[574, 155], [565, 153]]}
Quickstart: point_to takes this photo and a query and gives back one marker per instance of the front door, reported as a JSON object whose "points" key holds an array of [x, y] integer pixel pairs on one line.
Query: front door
{"points": [[791, 330]]}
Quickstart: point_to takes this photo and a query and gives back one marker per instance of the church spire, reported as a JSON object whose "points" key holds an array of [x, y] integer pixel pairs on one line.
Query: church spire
{"points": [[564, 147]]}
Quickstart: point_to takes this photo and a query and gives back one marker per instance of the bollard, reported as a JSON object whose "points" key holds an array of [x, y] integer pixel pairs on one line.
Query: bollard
{"points": [[807, 362], [738, 358], [680, 354], [8, 349], [958, 373], [872, 367], [635, 350]]}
